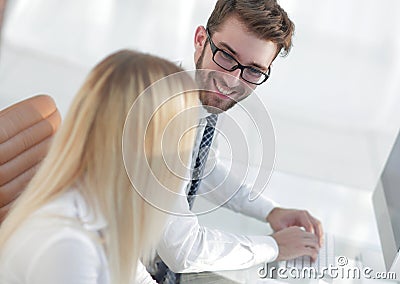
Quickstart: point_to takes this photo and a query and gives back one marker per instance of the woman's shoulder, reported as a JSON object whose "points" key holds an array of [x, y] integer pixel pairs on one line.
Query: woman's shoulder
{"points": [[47, 253], [53, 233]]}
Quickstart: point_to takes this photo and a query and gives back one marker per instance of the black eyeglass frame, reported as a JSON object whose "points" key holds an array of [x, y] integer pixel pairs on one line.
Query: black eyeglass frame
{"points": [[215, 49]]}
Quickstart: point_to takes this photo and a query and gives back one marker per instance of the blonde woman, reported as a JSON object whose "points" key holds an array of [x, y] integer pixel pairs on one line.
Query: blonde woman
{"points": [[83, 218]]}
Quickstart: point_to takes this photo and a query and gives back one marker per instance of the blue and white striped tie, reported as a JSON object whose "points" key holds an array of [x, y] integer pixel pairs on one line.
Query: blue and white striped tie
{"points": [[164, 274], [201, 159]]}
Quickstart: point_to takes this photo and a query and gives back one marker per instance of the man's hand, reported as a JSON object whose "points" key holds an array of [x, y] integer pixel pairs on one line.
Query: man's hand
{"points": [[294, 242], [281, 218]]}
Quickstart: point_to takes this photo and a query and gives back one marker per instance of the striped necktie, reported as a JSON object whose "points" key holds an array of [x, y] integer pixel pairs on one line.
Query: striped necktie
{"points": [[201, 159], [164, 274]]}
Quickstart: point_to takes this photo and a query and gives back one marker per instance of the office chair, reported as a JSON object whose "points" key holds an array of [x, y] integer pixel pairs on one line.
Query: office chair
{"points": [[26, 129]]}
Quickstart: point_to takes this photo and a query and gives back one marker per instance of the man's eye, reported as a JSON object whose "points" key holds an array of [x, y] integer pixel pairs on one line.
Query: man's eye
{"points": [[254, 72], [226, 56]]}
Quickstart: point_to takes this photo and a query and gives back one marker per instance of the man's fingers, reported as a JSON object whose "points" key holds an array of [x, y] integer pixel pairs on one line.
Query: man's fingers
{"points": [[306, 222], [319, 232], [311, 252], [310, 245], [310, 240], [294, 242], [314, 226]]}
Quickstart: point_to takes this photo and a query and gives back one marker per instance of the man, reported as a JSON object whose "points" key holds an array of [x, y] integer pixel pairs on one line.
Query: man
{"points": [[242, 38]]}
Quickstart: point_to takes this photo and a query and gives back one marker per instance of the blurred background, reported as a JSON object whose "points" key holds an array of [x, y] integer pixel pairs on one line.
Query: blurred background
{"points": [[334, 100]]}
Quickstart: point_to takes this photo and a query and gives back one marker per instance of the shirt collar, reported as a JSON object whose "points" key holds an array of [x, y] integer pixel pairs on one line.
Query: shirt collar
{"points": [[92, 218], [72, 204]]}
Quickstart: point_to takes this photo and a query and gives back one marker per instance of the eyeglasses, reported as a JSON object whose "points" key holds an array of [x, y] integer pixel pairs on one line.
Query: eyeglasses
{"points": [[229, 63]]}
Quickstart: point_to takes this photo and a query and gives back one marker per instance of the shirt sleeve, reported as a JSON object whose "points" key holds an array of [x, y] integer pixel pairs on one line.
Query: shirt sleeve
{"points": [[188, 247], [225, 187], [142, 276]]}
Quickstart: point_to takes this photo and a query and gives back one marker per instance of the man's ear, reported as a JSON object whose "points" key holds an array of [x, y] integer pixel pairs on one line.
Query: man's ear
{"points": [[200, 39]]}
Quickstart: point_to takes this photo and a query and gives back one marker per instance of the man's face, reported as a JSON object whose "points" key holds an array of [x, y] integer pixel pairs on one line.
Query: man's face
{"points": [[233, 38]]}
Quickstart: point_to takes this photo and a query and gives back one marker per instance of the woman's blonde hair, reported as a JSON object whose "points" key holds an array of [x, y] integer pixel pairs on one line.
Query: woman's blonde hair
{"points": [[87, 153]]}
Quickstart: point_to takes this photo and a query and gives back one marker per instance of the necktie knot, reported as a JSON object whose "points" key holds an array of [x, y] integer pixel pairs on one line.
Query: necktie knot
{"points": [[212, 120]]}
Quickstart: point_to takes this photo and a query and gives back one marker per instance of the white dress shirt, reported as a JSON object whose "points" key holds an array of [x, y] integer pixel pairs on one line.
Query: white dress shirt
{"points": [[188, 247], [59, 244]]}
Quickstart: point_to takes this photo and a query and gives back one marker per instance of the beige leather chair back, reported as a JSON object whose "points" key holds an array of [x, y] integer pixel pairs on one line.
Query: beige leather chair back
{"points": [[26, 129]]}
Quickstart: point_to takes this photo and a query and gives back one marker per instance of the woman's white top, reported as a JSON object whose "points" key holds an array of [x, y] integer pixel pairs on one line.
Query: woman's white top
{"points": [[60, 243]]}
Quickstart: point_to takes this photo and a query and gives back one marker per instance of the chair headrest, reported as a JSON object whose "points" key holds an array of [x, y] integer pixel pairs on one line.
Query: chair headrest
{"points": [[26, 129]]}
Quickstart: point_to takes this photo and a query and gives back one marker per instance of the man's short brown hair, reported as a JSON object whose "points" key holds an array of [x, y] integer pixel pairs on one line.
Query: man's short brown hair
{"points": [[264, 18]]}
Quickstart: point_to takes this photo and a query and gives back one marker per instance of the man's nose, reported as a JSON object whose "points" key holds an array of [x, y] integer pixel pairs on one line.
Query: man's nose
{"points": [[233, 78]]}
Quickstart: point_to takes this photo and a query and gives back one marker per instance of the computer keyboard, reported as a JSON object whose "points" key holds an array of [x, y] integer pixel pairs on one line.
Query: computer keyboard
{"points": [[326, 257]]}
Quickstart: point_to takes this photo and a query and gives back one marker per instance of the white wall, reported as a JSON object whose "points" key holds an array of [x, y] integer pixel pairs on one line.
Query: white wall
{"points": [[334, 100]]}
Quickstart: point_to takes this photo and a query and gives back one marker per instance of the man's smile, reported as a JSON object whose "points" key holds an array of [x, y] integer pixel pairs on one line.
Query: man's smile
{"points": [[223, 92]]}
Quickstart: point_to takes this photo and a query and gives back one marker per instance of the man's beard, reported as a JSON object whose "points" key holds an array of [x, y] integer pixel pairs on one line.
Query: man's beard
{"points": [[210, 101]]}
